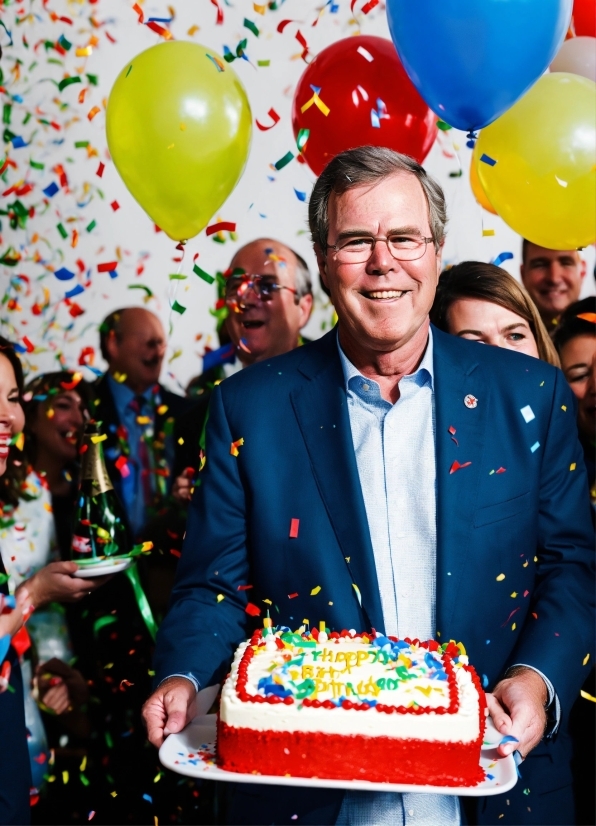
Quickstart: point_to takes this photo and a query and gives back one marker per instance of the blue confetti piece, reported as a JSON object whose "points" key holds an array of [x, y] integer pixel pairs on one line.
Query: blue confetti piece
{"points": [[17, 98], [113, 274], [51, 190], [148, 798], [490, 776], [508, 738], [488, 160], [300, 195], [504, 256], [374, 119], [535, 447], [4, 646], [316, 89], [484, 681], [20, 348], [75, 291], [63, 274], [18, 142]]}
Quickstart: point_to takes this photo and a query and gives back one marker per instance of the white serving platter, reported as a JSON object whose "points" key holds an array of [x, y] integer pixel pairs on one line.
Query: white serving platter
{"points": [[104, 567], [192, 752]]}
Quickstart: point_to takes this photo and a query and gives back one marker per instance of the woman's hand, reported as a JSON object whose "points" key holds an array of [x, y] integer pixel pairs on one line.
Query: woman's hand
{"points": [[55, 583], [12, 619]]}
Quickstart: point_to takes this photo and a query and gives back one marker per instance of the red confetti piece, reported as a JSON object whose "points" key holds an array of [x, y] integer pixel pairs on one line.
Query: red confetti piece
{"points": [[253, 610], [501, 470], [175, 553], [293, 596], [93, 112], [222, 226], [456, 466], [588, 317], [115, 206], [28, 344], [515, 610], [369, 6], [100, 169], [534, 615], [160, 30], [87, 356], [109, 266], [526, 593], [139, 11], [220, 16], [274, 117], [244, 587], [234, 447], [294, 525], [124, 684]]}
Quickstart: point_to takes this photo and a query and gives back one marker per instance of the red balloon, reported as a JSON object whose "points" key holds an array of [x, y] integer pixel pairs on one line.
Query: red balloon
{"points": [[370, 99], [584, 18]]}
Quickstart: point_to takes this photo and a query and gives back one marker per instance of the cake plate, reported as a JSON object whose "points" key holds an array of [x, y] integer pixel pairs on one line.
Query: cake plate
{"points": [[192, 752], [103, 567]]}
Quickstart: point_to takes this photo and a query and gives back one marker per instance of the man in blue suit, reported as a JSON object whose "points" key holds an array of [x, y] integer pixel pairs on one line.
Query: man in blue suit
{"points": [[438, 484]]}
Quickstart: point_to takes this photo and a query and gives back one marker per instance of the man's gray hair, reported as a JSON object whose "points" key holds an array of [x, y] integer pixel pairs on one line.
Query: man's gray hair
{"points": [[367, 165]]}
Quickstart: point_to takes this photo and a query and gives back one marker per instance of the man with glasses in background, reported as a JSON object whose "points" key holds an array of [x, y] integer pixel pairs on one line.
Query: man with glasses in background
{"points": [[268, 295]]}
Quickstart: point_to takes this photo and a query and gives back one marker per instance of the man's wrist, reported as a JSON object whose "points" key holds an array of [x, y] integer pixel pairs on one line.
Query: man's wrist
{"points": [[188, 677], [535, 676]]}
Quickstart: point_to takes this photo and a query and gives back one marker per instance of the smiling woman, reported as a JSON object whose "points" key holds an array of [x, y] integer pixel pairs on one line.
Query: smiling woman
{"points": [[483, 303]]}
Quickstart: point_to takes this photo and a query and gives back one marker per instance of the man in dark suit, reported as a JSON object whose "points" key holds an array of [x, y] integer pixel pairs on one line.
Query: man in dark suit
{"points": [[268, 295], [438, 486], [138, 413]]}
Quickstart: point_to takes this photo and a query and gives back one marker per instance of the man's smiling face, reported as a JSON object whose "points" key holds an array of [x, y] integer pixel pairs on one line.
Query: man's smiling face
{"points": [[383, 302]]}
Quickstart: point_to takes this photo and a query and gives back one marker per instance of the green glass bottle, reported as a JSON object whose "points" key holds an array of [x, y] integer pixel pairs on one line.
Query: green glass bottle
{"points": [[100, 529]]}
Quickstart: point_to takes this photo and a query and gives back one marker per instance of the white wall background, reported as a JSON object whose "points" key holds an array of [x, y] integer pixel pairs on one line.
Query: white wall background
{"points": [[264, 203]]}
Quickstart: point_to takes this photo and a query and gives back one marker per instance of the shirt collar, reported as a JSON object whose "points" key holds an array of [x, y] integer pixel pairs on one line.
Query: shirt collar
{"points": [[421, 375], [123, 395]]}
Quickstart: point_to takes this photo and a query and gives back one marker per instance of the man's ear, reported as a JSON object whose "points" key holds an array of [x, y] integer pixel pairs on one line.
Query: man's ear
{"points": [[112, 346], [305, 305], [583, 268], [439, 257], [322, 263]]}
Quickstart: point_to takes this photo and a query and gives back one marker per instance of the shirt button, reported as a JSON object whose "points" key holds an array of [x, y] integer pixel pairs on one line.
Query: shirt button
{"points": [[366, 386]]}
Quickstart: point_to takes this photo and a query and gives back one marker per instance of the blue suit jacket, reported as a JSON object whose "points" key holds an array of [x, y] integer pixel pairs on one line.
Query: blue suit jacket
{"points": [[515, 560]]}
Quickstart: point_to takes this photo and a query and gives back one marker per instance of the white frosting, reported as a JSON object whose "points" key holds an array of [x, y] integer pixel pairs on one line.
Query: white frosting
{"points": [[352, 669]]}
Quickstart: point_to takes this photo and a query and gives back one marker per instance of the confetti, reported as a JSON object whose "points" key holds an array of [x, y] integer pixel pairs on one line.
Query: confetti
{"points": [[178, 308], [488, 160], [587, 696], [234, 447], [572, 466], [284, 161], [457, 466], [315, 100], [293, 596], [252, 610], [202, 274], [274, 117], [294, 525], [501, 577], [504, 256], [527, 413], [535, 447], [358, 594], [315, 591], [220, 597], [221, 226], [586, 659]]}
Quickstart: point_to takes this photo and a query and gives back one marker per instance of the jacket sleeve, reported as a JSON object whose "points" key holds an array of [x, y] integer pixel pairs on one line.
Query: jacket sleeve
{"points": [[559, 633], [206, 619]]}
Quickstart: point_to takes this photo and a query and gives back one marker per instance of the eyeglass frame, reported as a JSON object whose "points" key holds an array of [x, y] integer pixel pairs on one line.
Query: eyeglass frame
{"points": [[250, 279], [374, 239]]}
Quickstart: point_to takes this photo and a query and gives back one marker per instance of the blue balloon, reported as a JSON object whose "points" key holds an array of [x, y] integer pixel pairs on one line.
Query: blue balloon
{"points": [[472, 59]]}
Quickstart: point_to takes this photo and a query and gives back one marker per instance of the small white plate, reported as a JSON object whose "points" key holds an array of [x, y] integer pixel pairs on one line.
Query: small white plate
{"points": [[104, 567], [192, 752]]}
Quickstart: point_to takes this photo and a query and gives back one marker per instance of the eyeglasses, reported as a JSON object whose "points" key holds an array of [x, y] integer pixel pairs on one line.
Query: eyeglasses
{"points": [[263, 286], [359, 249]]}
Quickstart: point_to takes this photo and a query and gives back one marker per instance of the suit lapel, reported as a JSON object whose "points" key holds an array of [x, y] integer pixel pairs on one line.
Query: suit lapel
{"points": [[460, 435], [321, 408]]}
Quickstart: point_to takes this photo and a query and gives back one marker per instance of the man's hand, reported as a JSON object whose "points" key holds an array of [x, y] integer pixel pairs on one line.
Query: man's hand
{"points": [[55, 583], [183, 486], [517, 709], [60, 687], [169, 709]]}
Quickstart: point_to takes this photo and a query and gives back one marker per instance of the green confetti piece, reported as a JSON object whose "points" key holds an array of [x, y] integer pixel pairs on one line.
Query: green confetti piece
{"points": [[457, 174], [68, 81], [248, 24], [178, 308], [141, 287], [55, 61], [66, 44], [37, 165], [3, 578], [202, 274], [81, 144], [84, 780], [263, 62], [91, 226], [102, 622], [284, 161], [6, 113], [92, 79], [444, 127], [26, 119], [175, 276], [62, 231], [129, 71], [301, 138], [109, 741]]}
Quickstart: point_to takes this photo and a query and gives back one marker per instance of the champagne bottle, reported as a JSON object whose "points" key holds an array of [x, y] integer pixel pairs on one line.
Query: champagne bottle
{"points": [[100, 527]]}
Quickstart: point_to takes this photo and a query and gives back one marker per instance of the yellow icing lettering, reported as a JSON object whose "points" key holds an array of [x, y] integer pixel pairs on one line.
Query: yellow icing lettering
{"points": [[307, 672]]}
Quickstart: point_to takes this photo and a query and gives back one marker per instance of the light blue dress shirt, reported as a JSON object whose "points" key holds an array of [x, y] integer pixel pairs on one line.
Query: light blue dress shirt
{"points": [[395, 455]]}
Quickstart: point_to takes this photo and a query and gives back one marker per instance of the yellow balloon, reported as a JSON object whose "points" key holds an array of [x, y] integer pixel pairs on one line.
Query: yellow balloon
{"points": [[543, 183], [178, 127], [477, 189]]}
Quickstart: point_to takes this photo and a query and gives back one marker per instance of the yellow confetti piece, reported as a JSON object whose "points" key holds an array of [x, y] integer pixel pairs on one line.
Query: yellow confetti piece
{"points": [[572, 466], [585, 659], [158, 777], [268, 601], [155, 821], [501, 577], [163, 408], [315, 591], [513, 595], [101, 437], [50, 413], [535, 559], [84, 51], [193, 30], [83, 765], [514, 626], [525, 565], [20, 441], [358, 594], [120, 377], [587, 696], [564, 408], [220, 597], [234, 447], [65, 777], [95, 111], [114, 794], [146, 546], [487, 232], [180, 441], [316, 101], [48, 507], [258, 8]]}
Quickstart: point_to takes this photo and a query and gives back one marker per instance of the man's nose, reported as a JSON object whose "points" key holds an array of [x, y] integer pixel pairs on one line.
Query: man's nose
{"points": [[381, 260], [555, 272]]}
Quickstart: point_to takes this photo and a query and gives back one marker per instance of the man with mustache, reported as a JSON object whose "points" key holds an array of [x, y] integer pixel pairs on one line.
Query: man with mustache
{"points": [[137, 412]]}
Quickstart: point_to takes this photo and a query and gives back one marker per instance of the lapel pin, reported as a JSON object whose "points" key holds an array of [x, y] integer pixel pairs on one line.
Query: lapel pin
{"points": [[470, 401]]}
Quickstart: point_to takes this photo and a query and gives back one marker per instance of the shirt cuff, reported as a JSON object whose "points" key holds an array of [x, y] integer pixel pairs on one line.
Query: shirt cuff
{"points": [[554, 711], [187, 676]]}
